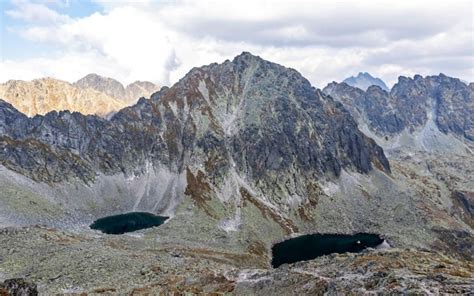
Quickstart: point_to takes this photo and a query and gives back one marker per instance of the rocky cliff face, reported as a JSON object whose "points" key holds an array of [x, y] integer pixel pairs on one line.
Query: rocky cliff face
{"points": [[228, 115], [239, 155], [129, 94], [364, 80], [426, 112], [41, 96], [425, 127], [244, 129]]}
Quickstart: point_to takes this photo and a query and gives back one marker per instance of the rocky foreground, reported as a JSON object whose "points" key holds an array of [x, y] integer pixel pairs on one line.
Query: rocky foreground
{"points": [[87, 263]]}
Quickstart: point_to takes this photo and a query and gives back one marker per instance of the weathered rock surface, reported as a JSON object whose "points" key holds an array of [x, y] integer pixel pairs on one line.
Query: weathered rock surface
{"points": [[18, 287], [227, 115], [41, 96], [425, 112], [424, 125], [243, 140], [129, 94], [240, 155]]}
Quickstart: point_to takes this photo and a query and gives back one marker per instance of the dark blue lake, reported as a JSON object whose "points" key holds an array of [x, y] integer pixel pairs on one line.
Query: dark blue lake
{"points": [[119, 224], [307, 247]]}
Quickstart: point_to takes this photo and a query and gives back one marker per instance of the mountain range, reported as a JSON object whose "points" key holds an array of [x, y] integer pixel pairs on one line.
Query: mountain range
{"points": [[430, 113], [92, 94], [241, 155], [128, 94]]}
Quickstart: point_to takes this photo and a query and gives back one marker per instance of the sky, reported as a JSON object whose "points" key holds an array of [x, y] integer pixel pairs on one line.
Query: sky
{"points": [[161, 41]]}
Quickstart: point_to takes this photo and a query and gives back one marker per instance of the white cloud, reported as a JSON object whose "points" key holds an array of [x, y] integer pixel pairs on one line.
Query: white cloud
{"points": [[35, 12], [70, 67], [325, 40]]}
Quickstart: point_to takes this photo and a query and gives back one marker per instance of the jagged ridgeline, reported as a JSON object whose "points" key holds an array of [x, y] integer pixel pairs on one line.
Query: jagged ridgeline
{"points": [[244, 160], [433, 113], [244, 143], [92, 94], [249, 113], [241, 154]]}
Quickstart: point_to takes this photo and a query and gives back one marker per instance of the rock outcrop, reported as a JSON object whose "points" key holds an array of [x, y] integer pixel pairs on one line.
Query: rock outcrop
{"points": [[230, 139], [428, 110], [18, 287], [250, 114], [239, 155], [126, 265]]}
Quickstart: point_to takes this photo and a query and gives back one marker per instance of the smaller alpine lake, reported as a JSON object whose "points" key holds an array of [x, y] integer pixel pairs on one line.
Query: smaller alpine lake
{"points": [[128, 222], [307, 247]]}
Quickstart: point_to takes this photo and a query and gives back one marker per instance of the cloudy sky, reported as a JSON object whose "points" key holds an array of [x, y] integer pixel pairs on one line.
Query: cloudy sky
{"points": [[161, 41]]}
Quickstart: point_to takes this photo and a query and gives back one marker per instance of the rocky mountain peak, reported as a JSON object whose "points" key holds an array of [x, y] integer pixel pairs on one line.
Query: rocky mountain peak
{"points": [[429, 108], [364, 80], [364, 75], [129, 94], [224, 115], [106, 85], [245, 55], [375, 89], [229, 143], [239, 155]]}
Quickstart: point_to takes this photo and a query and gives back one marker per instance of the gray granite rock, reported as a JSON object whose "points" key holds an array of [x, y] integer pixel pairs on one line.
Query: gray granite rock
{"points": [[256, 115], [411, 104]]}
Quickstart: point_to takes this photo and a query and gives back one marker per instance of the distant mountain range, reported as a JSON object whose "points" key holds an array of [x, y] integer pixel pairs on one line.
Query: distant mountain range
{"points": [[364, 80], [129, 94], [430, 113], [92, 94]]}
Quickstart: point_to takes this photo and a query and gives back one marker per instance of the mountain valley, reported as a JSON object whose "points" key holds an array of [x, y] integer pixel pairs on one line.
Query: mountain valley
{"points": [[240, 156]]}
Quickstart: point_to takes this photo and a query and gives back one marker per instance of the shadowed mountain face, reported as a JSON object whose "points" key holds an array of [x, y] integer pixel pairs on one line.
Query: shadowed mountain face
{"points": [[247, 147], [364, 81], [423, 108], [256, 116], [239, 156], [245, 138]]}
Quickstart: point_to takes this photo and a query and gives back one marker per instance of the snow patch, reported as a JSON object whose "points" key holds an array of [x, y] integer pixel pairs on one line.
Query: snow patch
{"points": [[135, 234], [75, 290]]}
